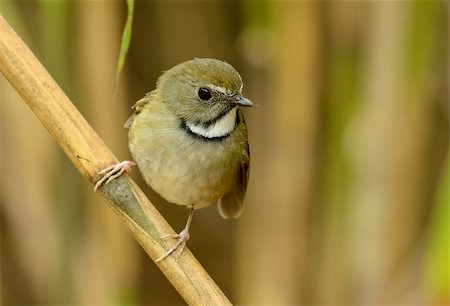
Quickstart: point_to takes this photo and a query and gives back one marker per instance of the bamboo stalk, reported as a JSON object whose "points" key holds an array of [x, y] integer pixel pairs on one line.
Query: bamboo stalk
{"points": [[89, 154]]}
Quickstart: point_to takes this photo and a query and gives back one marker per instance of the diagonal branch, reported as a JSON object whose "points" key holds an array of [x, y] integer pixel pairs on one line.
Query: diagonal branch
{"points": [[89, 154]]}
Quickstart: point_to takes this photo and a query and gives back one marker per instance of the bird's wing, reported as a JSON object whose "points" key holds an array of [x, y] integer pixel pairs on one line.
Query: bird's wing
{"points": [[232, 203], [138, 107]]}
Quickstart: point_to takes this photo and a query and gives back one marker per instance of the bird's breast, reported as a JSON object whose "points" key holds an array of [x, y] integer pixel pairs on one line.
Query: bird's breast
{"points": [[181, 168]]}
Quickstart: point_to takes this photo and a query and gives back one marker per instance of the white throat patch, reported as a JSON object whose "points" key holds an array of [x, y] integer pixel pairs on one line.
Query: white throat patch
{"points": [[221, 127]]}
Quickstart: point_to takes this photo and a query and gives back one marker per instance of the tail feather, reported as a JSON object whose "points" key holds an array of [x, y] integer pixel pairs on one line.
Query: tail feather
{"points": [[230, 208]]}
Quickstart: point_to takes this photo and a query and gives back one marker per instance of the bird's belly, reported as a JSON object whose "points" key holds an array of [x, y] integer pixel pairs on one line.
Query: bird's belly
{"points": [[187, 173]]}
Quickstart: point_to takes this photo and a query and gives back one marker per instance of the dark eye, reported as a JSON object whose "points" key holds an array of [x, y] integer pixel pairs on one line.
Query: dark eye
{"points": [[204, 94]]}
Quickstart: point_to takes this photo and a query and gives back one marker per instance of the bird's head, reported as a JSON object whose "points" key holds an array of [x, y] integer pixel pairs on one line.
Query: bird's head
{"points": [[202, 90]]}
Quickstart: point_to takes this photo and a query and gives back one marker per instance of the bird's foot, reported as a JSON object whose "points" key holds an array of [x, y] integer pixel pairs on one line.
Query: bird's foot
{"points": [[113, 172], [182, 238]]}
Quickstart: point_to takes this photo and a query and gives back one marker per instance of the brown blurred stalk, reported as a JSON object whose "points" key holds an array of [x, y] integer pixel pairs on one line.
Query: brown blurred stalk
{"points": [[98, 27], [89, 154], [395, 147], [274, 238]]}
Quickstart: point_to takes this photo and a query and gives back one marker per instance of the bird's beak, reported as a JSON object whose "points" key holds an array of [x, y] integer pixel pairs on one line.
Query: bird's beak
{"points": [[242, 101]]}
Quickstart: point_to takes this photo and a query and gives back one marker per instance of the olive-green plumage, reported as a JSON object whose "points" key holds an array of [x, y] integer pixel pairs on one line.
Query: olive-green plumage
{"points": [[193, 151], [189, 140]]}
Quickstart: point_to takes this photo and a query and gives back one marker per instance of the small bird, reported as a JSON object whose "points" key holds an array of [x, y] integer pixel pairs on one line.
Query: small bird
{"points": [[189, 140]]}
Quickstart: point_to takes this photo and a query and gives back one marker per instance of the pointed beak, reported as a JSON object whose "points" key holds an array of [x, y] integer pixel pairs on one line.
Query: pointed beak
{"points": [[242, 101]]}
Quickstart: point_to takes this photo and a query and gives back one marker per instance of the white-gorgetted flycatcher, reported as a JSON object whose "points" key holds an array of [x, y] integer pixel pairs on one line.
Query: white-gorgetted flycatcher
{"points": [[189, 140]]}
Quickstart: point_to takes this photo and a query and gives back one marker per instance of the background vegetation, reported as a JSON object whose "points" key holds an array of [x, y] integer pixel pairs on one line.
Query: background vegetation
{"points": [[348, 201]]}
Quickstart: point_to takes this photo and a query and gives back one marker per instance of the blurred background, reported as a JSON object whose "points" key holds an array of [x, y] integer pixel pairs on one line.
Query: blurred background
{"points": [[348, 201]]}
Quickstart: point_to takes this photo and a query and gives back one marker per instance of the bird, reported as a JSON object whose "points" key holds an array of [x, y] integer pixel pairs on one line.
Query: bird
{"points": [[189, 140]]}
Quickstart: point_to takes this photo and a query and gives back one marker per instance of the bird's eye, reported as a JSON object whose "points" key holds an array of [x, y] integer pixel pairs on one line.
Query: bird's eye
{"points": [[204, 94]]}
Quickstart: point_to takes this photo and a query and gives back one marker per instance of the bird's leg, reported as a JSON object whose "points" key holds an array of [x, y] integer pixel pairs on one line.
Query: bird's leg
{"points": [[113, 172], [182, 237]]}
